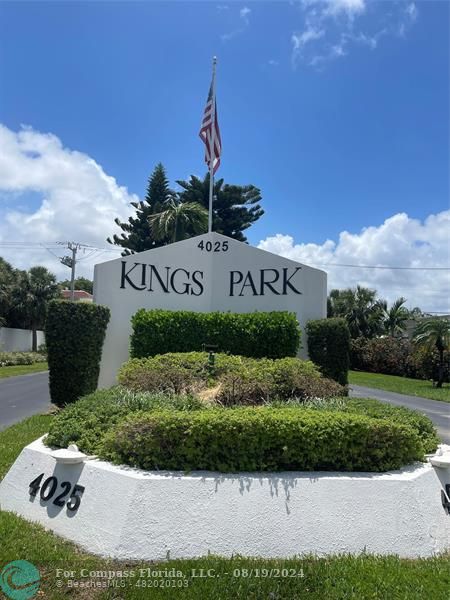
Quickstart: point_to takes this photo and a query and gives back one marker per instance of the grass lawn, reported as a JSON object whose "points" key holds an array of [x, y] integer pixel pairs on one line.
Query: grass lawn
{"points": [[335, 578], [401, 385], [22, 369]]}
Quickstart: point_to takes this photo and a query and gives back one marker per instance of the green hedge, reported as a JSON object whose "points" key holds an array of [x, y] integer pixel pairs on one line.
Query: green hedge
{"points": [[86, 421], [261, 439], [421, 424], [74, 334], [236, 379], [258, 334], [375, 409], [329, 347]]}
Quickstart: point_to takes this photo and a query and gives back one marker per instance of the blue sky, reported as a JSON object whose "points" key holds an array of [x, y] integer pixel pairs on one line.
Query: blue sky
{"points": [[337, 110]]}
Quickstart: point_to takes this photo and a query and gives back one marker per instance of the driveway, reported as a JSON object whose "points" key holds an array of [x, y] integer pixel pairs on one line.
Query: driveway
{"points": [[439, 412], [23, 396]]}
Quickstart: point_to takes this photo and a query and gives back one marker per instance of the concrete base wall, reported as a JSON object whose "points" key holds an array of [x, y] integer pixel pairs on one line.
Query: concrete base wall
{"points": [[132, 514]]}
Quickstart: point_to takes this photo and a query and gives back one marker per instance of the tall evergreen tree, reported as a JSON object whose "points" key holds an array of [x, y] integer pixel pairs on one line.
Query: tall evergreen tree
{"points": [[136, 234], [235, 207]]}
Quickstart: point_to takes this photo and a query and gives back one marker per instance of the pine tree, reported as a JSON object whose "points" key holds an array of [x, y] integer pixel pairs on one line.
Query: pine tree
{"points": [[136, 234]]}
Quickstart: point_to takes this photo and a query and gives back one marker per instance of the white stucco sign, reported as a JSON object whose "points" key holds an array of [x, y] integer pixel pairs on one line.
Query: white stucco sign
{"points": [[207, 273]]}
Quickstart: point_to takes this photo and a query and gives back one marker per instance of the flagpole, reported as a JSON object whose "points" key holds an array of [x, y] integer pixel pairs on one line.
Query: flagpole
{"points": [[211, 146]]}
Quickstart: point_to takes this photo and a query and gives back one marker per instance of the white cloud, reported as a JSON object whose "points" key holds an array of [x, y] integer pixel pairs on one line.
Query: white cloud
{"points": [[407, 18], [349, 7], [244, 13], [308, 35], [244, 16], [332, 27], [78, 200], [399, 241], [411, 11]]}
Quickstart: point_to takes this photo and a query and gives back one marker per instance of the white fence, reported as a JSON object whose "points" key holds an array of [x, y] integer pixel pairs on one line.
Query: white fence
{"points": [[18, 340]]}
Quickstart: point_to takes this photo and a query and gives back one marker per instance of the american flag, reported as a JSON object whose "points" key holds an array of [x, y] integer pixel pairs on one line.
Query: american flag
{"points": [[208, 132]]}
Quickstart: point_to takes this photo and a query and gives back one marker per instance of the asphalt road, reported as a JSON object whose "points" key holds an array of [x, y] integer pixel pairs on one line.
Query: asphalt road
{"points": [[27, 395], [439, 412], [23, 396]]}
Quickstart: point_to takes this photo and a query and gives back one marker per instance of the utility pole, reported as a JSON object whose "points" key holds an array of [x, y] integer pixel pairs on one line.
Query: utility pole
{"points": [[71, 262]]}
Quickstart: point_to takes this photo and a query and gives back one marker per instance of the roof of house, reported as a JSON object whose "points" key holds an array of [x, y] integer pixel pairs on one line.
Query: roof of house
{"points": [[78, 295]]}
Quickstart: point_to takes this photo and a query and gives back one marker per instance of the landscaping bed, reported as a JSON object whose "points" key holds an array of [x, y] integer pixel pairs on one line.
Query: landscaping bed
{"points": [[182, 431], [23, 539], [181, 404], [13, 359], [229, 380]]}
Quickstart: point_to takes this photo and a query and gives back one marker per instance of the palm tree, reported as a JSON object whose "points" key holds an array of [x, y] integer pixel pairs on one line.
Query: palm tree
{"points": [[361, 309], [178, 221], [35, 288], [435, 333], [394, 318]]}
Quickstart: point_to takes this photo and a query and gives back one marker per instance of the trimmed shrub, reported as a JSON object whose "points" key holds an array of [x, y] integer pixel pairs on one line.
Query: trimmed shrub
{"points": [[240, 379], [11, 359], [420, 423], [329, 347], [74, 334], [258, 334], [178, 373], [261, 439], [86, 421]]}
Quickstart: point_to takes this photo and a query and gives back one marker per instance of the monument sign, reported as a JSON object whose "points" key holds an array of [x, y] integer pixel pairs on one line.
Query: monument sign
{"points": [[206, 273]]}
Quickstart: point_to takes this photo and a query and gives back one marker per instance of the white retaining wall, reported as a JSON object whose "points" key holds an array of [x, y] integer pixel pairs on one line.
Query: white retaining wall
{"points": [[18, 340], [131, 514]]}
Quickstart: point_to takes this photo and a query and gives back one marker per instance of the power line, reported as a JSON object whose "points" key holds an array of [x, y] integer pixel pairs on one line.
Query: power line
{"points": [[52, 253], [54, 245], [32, 245], [380, 267]]}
